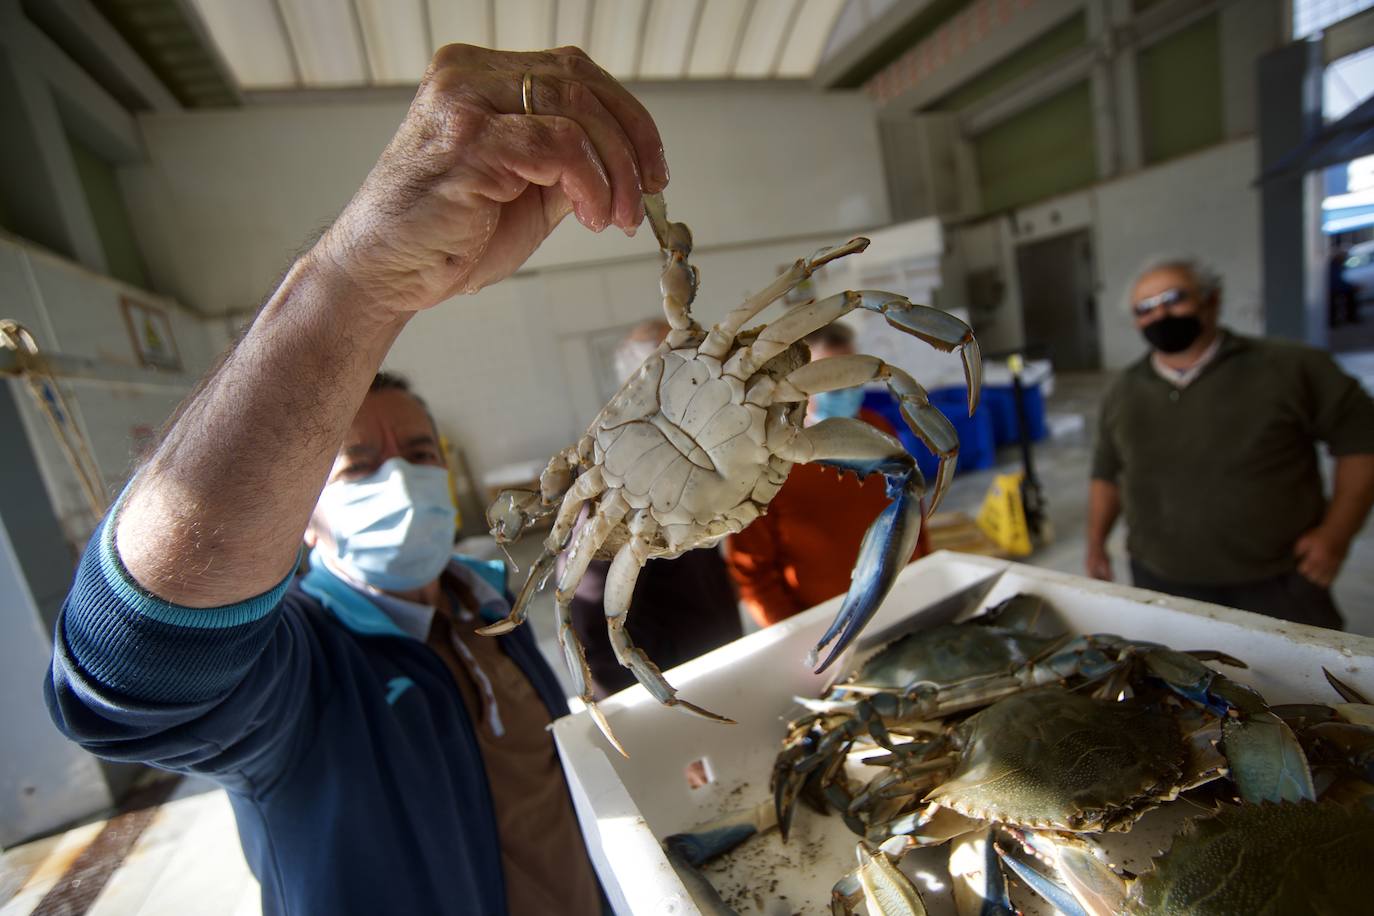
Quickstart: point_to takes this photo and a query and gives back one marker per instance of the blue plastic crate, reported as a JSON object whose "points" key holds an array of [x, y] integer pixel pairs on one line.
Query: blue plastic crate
{"points": [[1000, 401], [976, 445]]}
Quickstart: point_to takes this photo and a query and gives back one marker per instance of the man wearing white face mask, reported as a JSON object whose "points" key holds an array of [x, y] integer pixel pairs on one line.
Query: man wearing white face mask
{"points": [[379, 756]]}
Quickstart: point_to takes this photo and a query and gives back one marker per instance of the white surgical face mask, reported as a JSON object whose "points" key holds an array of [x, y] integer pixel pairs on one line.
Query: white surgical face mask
{"points": [[392, 530], [843, 403]]}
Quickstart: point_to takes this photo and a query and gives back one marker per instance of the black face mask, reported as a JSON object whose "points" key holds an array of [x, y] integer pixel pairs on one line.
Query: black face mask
{"points": [[1173, 333]]}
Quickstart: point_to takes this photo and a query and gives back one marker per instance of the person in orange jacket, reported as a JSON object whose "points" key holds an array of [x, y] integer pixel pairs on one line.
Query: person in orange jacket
{"points": [[802, 551]]}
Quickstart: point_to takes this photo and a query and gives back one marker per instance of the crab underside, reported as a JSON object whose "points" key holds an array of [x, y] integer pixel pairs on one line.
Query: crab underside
{"points": [[703, 435]]}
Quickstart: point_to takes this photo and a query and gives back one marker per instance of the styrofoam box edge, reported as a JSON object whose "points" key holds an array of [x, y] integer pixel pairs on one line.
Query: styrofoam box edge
{"points": [[625, 805]]}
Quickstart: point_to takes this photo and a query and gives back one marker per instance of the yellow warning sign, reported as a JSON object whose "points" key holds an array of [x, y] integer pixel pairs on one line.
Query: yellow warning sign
{"points": [[1003, 516]]}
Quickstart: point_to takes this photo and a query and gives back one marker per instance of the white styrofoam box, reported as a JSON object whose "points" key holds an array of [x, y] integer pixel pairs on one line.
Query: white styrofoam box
{"points": [[627, 806]]}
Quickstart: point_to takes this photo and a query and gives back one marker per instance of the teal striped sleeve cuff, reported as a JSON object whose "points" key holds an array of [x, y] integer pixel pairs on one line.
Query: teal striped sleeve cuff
{"points": [[138, 599], [134, 643]]}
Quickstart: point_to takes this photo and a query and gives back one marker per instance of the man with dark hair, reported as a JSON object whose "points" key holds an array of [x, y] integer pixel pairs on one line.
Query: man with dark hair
{"points": [[379, 755], [1208, 444]]}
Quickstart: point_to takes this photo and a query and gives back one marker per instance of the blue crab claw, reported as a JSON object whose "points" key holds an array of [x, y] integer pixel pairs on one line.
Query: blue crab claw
{"points": [[718, 837], [977, 880], [886, 547], [938, 328], [1058, 896], [885, 888], [1266, 761]]}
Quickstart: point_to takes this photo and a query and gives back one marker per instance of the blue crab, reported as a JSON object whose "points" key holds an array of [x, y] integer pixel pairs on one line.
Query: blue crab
{"points": [[1276, 857], [1263, 757], [701, 438], [918, 678], [990, 725], [1285, 859]]}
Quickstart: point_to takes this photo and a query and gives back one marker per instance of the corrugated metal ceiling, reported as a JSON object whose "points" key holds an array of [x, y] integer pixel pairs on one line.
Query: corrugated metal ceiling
{"points": [[326, 44]]}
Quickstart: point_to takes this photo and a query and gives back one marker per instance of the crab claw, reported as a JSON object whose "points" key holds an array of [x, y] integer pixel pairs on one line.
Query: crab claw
{"points": [[941, 330], [885, 888], [1348, 693], [512, 512], [1058, 896], [1266, 761], [715, 839], [886, 548]]}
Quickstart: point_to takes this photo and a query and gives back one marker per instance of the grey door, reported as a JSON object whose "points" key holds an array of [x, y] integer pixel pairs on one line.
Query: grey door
{"points": [[1058, 300]]}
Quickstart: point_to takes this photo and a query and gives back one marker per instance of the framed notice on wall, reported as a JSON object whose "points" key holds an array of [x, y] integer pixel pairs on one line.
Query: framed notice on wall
{"points": [[150, 331]]}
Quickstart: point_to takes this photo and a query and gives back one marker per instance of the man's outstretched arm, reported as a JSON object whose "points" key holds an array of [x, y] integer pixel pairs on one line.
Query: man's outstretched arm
{"points": [[466, 190]]}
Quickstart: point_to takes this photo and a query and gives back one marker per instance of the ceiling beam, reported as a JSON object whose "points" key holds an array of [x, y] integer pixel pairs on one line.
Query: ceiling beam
{"points": [[291, 53], [871, 48], [1349, 36], [101, 121], [104, 51], [1035, 87], [913, 89], [749, 12]]}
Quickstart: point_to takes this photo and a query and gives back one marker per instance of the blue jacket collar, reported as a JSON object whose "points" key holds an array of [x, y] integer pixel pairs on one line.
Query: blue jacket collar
{"points": [[366, 615]]}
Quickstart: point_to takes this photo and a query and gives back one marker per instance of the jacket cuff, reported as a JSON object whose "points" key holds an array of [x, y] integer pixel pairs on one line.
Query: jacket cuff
{"points": [[139, 600], [140, 646]]}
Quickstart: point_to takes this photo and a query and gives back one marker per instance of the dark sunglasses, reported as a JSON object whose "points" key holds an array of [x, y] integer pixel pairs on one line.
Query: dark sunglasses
{"points": [[1165, 299]]}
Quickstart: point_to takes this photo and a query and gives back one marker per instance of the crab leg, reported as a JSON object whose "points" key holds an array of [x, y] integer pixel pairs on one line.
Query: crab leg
{"points": [[976, 878], [925, 420], [722, 335], [679, 280], [1082, 883], [941, 330], [589, 485], [620, 586], [937, 328], [854, 445], [712, 840], [588, 541]]}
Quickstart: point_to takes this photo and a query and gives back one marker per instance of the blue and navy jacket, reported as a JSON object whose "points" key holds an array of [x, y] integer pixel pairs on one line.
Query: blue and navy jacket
{"points": [[345, 746]]}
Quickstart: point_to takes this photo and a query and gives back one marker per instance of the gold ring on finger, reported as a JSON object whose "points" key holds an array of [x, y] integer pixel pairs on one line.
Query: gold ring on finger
{"points": [[527, 92]]}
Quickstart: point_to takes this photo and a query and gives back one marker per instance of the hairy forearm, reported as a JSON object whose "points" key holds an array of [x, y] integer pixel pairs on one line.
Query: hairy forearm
{"points": [[1104, 506], [217, 514], [1352, 495]]}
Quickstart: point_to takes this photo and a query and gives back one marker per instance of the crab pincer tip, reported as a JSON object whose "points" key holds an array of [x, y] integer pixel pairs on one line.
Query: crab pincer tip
{"points": [[599, 718], [973, 371]]}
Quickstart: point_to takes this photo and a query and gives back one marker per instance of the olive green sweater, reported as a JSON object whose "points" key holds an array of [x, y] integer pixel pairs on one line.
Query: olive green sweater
{"points": [[1219, 479]]}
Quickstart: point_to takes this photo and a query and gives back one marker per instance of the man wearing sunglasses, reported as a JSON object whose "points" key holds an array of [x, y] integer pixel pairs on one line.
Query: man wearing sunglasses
{"points": [[1208, 445]]}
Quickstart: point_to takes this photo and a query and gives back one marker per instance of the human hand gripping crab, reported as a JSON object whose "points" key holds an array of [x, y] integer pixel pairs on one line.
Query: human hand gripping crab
{"points": [[701, 438]]}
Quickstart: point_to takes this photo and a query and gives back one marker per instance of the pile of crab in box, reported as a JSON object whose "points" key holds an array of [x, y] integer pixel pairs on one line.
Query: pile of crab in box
{"points": [[1002, 739]]}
